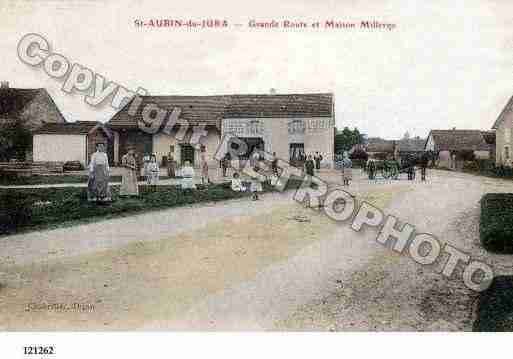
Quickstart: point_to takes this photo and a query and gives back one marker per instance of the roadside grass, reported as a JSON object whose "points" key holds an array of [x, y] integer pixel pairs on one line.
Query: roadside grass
{"points": [[495, 307], [32, 209], [496, 222]]}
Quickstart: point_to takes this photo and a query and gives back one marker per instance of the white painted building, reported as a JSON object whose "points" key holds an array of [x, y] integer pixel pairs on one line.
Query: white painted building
{"points": [[288, 124], [63, 142]]}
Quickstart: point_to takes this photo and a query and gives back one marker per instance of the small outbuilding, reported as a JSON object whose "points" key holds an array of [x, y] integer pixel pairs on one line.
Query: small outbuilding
{"points": [[71, 141], [451, 145]]}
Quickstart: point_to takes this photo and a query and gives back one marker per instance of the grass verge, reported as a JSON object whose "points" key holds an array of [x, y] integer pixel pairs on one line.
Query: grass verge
{"points": [[45, 208]]}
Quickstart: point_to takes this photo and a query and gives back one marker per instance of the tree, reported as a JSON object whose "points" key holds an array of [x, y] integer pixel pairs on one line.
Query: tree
{"points": [[346, 139], [15, 141]]}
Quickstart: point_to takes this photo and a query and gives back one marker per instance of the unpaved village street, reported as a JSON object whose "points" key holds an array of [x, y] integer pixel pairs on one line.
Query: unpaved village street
{"points": [[250, 265]]}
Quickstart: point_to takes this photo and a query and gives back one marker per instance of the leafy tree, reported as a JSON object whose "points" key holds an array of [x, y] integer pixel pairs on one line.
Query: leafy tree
{"points": [[346, 139], [15, 141]]}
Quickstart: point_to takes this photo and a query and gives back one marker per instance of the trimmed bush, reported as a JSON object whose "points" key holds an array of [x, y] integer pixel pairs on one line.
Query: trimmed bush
{"points": [[470, 166], [495, 307], [15, 211], [496, 225]]}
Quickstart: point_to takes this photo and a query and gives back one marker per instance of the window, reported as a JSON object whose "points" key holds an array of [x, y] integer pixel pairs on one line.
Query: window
{"points": [[507, 134], [506, 152], [296, 152]]}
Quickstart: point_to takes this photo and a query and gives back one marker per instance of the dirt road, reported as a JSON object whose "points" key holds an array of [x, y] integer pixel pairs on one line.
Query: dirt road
{"points": [[242, 265]]}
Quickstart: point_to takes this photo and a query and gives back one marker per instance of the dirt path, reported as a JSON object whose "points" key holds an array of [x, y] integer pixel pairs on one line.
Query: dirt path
{"points": [[242, 265]]}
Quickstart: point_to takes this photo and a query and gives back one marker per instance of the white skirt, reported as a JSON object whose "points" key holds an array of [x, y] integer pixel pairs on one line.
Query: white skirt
{"points": [[256, 186], [188, 183]]}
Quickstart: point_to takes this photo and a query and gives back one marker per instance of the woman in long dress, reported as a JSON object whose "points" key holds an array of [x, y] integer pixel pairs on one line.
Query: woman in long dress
{"points": [[99, 172], [129, 185], [204, 165], [171, 165]]}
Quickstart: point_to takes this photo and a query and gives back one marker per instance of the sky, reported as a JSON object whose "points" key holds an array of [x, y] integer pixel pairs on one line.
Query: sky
{"points": [[446, 64]]}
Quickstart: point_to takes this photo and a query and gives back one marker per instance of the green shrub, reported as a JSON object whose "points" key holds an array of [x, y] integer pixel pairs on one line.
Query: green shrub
{"points": [[495, 307], [486, 165], [31, 208], [496, 225], [502, 171], [15, 211], [470, 166]]}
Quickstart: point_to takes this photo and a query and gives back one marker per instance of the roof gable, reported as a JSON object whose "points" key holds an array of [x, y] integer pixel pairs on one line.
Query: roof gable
{"points": [[506, 109]]}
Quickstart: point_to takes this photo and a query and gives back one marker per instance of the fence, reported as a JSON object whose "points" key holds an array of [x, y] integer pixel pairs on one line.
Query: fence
{"points": [[31, 168]]}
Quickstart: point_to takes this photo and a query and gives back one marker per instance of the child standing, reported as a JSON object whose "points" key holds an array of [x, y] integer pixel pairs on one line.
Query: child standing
{"points": [[256, 186], [236, 184], [153, 172]]}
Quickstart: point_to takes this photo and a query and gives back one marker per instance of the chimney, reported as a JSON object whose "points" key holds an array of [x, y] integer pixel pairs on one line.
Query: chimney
{"points": [[272, 91], [4, 85], [454, 128]]}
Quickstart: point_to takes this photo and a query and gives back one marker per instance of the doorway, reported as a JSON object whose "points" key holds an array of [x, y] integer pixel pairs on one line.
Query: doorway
{"points": [[187, 154]]}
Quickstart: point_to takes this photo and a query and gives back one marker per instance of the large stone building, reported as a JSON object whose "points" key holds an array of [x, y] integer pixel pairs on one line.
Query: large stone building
{"points": [[289, 124]]}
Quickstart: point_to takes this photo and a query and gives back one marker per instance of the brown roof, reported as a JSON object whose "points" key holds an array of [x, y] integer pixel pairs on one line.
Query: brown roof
{"points": [[14, 100], [411, 145], [375, 144], [489, 137], [210, 110], [457, 140], [296, 105], [69, 128]]}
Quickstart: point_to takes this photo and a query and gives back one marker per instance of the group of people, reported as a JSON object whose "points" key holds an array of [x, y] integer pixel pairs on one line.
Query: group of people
{"points": [[98, 189], [313, 163], [99, 173]]}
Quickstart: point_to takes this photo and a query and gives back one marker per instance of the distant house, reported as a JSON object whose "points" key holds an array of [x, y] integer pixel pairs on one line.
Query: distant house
{"points": [[73, 141], [410, 147], [502, 127], [379, 148], [452, 144], [32, 107]]}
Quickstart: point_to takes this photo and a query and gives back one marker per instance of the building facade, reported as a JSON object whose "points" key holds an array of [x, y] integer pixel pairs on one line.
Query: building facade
{"points": [[292, 125], [503, 128]]}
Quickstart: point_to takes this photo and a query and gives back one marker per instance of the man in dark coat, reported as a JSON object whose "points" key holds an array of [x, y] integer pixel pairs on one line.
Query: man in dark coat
{"points": [[423, 165], [318, 158], [309, 166]]}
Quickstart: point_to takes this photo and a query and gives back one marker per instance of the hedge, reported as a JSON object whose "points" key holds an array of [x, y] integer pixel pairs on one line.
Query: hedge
{"points": [[496, 225], [40, 208], [495, 307]]}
